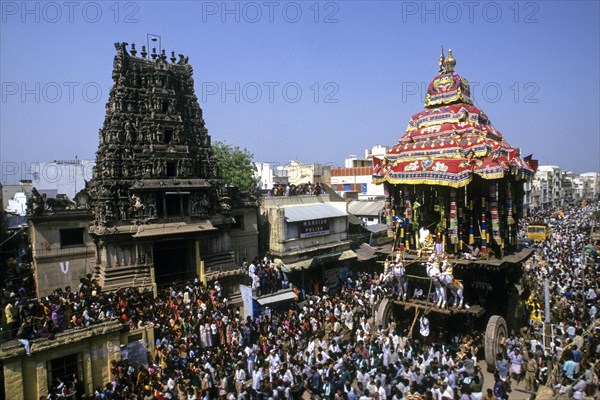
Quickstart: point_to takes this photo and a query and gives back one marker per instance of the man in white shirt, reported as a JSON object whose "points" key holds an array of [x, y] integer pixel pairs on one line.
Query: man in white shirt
{"points": [[447, 391], [591, 294], [381, 391], [240, 379], [257, 377], [274, 363]]}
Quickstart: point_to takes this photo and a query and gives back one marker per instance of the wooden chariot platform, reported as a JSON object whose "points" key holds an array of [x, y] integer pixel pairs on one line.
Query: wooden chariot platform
{"points": [[410, 257], [473, 311]]}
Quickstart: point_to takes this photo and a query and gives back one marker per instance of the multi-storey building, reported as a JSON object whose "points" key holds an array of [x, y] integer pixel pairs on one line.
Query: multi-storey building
{"points": [[309, 236], [547, 184], [355, 179], [554, 187], [591, 182], [270, 175]]}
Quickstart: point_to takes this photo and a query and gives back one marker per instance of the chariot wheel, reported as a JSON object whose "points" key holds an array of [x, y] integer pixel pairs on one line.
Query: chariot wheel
{"points": [[385, 313], [495, 334]]}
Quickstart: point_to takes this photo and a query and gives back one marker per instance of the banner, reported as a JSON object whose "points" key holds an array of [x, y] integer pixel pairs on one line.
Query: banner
{"points": [[315, 227], [250, 308]]}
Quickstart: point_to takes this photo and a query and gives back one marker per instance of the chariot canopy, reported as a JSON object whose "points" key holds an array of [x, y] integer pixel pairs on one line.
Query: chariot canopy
{"points": [[451, 170]]}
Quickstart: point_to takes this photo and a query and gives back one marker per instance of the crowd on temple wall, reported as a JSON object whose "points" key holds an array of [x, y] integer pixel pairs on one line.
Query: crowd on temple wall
{"points": [[27, 318], [296, 190], [16, 277], [267, 276], [327, 347]]}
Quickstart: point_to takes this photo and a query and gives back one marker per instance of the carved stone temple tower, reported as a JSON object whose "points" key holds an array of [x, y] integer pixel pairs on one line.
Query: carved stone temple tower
{"points": [[160, 211]]}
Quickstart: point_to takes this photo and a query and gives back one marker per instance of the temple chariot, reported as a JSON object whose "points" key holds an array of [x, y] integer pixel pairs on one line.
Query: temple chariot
{"points": [[454, 194]]}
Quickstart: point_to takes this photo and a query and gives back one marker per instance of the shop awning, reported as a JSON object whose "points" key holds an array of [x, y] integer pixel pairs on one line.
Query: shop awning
{"points": [[376, 228], [370, 208], [354, 220], [308, 212], [173, 228], [297, 266], [365, 252], [347, 255], [385, 249], [327, 258], [277, 298]]}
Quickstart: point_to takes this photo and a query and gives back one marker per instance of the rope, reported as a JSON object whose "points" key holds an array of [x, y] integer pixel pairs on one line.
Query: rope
{"points": [[417, 311], [413, 323], [428, 293]]}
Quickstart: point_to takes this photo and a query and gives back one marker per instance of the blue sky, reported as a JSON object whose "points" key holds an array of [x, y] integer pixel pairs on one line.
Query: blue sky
{"points": [[306, 80]]}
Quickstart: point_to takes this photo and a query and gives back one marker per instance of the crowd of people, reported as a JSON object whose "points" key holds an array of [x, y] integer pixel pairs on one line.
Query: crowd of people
{"points": [[326, 346], [569, 262], [296, 190], [29, 318]]}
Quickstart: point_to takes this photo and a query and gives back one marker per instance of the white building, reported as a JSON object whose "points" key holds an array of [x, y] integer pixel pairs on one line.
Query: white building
{"points": [[553, 186], [547, 184], [270, 175], [18, 204], [591, 182], [9, 191]]}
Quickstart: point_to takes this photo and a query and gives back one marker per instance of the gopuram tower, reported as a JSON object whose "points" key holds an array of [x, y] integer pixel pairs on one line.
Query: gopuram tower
{"points": [[160, 211]]}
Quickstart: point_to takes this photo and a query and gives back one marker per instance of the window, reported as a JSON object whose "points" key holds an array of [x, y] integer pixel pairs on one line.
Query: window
{"points": [[168, 136], [239, 222], [292, 230], [64, 368], [173, 205], [71, 237], [177, 204], [160, 212], [171, 168]]}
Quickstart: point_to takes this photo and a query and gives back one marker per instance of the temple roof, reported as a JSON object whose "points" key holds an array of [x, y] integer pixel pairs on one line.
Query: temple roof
{"points": [[450, 141]]}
